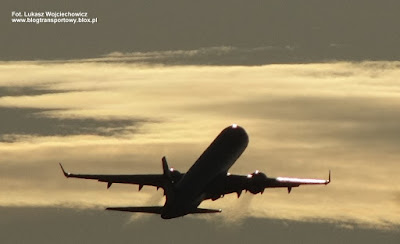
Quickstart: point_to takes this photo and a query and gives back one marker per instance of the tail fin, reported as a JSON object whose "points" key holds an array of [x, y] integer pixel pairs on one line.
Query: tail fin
{"points": [[165, 166]]}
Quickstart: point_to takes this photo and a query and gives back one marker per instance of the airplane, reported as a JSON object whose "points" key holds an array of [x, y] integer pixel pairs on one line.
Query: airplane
{"points": [[208, 178]]}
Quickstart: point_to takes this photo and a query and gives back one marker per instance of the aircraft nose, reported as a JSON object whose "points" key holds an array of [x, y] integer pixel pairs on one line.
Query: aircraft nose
{"points": [[235, 127], [236, 131]]}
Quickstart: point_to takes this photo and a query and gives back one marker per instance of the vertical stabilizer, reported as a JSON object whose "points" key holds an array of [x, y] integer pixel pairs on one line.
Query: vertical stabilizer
{"points": [[166, 169], [168, 188]]}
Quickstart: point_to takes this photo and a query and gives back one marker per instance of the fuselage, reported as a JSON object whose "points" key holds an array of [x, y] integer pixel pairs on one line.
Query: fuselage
{"points": [[215, 162]]}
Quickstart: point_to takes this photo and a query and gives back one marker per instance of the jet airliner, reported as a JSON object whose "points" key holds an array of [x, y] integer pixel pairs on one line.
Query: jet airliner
{"points": [[208, 178]]}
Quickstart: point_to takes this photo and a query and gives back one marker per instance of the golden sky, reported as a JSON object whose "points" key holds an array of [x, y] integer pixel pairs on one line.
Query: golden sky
{"points": [[118, 117]]}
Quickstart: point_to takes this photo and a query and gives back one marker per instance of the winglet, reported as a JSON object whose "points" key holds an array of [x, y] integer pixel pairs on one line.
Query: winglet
{"points": [[66, 174], [329, 178]]}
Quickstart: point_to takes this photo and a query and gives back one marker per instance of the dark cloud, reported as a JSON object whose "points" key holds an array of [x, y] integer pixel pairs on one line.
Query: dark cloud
{"points": [[17, 122], [313, 31], [26, 91], [60, 225]]}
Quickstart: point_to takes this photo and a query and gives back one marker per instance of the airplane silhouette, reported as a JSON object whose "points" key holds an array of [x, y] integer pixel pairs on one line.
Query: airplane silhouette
{"points": [[208, 178]]}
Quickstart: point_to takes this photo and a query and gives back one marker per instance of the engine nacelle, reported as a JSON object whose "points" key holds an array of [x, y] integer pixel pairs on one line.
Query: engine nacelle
{"points": [[256, 182]]}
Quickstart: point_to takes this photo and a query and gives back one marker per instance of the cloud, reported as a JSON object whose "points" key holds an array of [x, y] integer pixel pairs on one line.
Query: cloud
{"points": [[25, 91], [353, 120], [397, 198], [219, 55], [17, 122]]}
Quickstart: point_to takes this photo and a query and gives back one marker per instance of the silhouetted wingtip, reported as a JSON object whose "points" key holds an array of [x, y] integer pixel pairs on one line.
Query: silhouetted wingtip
{"points": [[66, 174], [329, 178]]}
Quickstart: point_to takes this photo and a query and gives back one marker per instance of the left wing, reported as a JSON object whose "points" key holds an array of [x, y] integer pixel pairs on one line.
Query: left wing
{"points": [[257, 182], [156, 180]]}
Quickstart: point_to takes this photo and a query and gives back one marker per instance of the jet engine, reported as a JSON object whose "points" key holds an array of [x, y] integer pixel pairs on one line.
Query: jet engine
{"points": [[256, 182]]}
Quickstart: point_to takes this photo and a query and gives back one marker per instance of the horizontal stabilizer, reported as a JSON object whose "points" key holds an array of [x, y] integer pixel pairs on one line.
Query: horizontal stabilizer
{"points": [[204, 210], [154, 209]]}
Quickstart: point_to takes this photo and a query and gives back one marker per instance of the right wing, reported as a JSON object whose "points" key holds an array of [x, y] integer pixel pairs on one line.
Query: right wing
{"points": [[255, 183], [157, 180]]}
